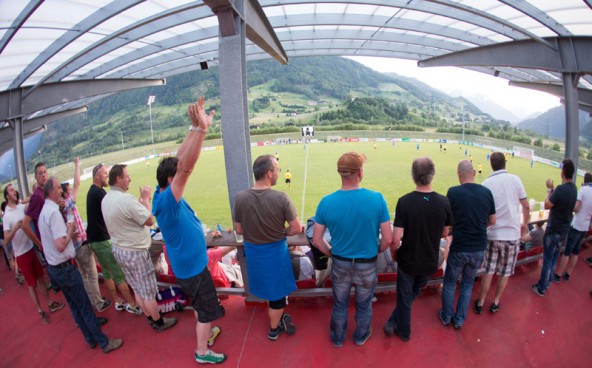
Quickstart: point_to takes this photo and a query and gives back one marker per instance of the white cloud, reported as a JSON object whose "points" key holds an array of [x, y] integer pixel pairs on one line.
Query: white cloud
{"points": [[520, 101]]}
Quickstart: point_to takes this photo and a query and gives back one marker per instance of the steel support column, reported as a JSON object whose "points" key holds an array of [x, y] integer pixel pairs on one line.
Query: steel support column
{"points": [[572, 122], [235, 114], [19, 158]]}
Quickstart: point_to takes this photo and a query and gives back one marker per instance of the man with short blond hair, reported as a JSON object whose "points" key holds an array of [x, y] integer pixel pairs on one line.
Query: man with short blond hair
{"points": [[356, 217]]}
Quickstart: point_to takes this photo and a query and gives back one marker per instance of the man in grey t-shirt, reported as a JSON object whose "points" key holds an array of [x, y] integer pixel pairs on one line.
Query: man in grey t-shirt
{"points": [[260, 214]]}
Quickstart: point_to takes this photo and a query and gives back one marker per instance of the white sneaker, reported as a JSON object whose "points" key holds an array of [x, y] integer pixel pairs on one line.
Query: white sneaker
{"points": [[133, 310], [119, 306]]}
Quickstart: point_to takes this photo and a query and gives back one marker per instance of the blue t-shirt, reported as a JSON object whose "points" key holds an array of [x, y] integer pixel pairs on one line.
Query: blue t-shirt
{"points": [[472, 204], [353, 217], [182, 234]]}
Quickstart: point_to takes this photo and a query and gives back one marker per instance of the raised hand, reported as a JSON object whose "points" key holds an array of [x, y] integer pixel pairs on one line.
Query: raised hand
{"points": [[198, 115]]}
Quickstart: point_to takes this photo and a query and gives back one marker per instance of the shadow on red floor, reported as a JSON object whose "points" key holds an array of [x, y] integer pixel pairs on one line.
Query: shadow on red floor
{"points": [[529, 331]]}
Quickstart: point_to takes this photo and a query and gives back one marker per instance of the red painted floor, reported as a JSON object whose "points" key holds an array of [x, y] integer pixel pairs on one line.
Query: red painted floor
{"points": [[529, 331]]}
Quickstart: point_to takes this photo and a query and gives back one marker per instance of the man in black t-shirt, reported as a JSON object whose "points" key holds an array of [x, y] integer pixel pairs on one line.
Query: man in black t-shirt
{"points": [[561, 201], [99, 241], [425, 216], [473, 209]]}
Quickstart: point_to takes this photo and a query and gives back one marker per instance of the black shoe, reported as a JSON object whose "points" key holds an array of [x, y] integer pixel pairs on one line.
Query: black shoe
{"points": [[287, 325], [275, 333], [477, 308], [457, 327], [588, 260], [535, 289], [389, 329], [113, 344], [102, 320], [556, 278], [566, 277], [405, 339], [444, 323], [164, 325], [493, 308]]}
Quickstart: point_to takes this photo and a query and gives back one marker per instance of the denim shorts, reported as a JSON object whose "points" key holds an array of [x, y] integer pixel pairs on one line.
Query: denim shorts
{"points": [[574, 242]]}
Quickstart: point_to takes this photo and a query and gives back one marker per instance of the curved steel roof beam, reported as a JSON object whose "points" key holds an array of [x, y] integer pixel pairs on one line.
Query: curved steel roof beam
{"points": [[538, 15], [151, 49], [204, 51], [72, 34], [304, 20], [124, 36], [444, 8], [556, 89], [24, 15], [210, 32], [54, 94], [574, 55]]}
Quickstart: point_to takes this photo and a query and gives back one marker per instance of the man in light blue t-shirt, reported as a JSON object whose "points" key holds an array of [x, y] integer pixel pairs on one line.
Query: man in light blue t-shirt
{"points": [[183, 234], [355, 216]]}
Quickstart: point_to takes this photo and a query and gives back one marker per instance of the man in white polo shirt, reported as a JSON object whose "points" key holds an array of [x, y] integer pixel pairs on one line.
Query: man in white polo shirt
{"points": [[56, 238], [503, 237], [128, 221]]}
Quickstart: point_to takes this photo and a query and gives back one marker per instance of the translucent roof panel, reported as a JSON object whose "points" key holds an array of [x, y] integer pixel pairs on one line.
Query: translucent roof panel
{"points": [[61, 40]]}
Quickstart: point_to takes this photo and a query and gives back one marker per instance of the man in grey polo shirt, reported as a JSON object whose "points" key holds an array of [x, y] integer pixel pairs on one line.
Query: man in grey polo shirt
{"points": [[56, 238], [128, 221]]}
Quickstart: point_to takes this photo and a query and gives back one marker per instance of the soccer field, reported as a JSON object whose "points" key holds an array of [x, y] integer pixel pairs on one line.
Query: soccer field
{"points": [[388, 171]]}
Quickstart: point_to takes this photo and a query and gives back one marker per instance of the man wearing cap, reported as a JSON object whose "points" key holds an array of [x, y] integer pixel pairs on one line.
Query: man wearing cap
{"points": [[423, 216], [260, 214], [355, 216], [99, 241]]}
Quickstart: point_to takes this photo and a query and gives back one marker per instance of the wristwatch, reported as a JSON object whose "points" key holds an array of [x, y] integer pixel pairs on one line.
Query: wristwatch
{"points": [[197, 129]]}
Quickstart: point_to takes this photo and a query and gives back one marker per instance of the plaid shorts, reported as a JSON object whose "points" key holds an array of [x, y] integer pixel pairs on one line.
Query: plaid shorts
{"points": [[500, 257], [139, 271]]}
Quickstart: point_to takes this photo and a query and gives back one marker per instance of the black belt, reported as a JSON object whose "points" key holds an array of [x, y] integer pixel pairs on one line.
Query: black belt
{"points": [[358, 260], [61, 265]]}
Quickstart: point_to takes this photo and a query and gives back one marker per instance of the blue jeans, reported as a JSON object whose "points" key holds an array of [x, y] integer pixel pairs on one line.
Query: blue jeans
{"points": [[70, 281], [408, 288], [343, 275], [551, 248], [467, 264]]}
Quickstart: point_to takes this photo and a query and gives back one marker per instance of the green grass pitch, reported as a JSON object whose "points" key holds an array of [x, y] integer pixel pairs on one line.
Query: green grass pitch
{"points": [[388, 170]]}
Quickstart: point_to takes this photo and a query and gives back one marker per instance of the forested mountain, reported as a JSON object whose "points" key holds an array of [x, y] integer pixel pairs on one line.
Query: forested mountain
{"points": [[319, 90], [552, 124]]}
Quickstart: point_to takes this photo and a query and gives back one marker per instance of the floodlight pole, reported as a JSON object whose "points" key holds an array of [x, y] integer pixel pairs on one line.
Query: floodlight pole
{"points": [[122, 147], [150, 102], [463, 123]]}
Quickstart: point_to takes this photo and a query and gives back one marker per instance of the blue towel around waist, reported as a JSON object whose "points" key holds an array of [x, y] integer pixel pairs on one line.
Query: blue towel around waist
{"points": [[270, 270]]}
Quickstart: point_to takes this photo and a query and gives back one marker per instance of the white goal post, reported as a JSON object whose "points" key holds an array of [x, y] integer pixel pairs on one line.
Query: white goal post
{"points": [[523, 152]]}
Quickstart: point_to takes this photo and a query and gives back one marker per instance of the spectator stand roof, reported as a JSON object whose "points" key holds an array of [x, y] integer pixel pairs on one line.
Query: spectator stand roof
{"points": [[58, 56]]}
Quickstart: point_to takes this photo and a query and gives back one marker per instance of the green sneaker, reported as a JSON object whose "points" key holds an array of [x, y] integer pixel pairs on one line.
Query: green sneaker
{"points": [[215, 332], [210, 357]]}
